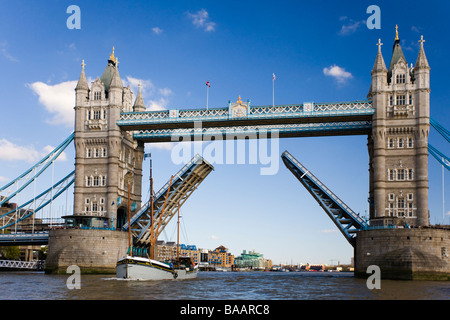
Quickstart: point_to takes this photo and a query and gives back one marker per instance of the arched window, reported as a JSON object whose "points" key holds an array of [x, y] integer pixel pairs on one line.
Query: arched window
{"points": [[97, 95], [401, 78]]}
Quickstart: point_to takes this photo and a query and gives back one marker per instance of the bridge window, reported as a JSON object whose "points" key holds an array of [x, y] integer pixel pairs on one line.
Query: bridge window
{"points": [[410, 142], [410, 174], [391, 209], [391, 175], [401, 206], [94, 207], [410, 209], [95, 153], [96, 114], [401, 174], [391, 197], [400, 142], [410, 98], [95, 182], [410, 196], [401, 100], [97, 95], [401, 78], [391, 143], [391, 100], [104, 181], [88, 181], [88, 153], [104, 152], [89, 115]]}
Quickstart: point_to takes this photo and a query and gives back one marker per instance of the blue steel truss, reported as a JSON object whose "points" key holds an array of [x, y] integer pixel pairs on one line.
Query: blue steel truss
{"points": [[285, 112], [8, 191], [258, 131], [347, 221], [38, 203], [439, 128], [290, 120], [177, 192], [439, 156]]}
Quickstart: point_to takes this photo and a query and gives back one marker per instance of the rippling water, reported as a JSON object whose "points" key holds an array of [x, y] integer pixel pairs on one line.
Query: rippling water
{"points": [[219, 286]]}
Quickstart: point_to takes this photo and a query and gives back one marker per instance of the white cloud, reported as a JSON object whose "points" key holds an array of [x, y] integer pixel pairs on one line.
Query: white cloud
{"points": [[5, 52], [13, 152], [47, 149], [329, 231], [156, 99], [201, 19], [213, 237], [416, 29], [157, 30], [350, 27], [58, 100], [338, 73], [10, 151]]}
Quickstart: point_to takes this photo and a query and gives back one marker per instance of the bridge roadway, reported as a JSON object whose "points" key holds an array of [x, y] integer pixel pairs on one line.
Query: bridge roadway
{"points": [[24, 239], [307, 119]]}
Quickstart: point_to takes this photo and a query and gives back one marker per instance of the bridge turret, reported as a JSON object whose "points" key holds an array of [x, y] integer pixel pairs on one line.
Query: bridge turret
{"points": [[104, 154], [398, 143], [139, 105], [82, 88]]}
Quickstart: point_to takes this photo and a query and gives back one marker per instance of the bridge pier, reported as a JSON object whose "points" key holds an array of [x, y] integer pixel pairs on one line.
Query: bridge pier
{"points": [[404, 254], [93, 251]]}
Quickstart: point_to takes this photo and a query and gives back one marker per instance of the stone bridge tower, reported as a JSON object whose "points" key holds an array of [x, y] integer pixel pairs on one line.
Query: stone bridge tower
{"points": [[105, 156], [398, 145]]}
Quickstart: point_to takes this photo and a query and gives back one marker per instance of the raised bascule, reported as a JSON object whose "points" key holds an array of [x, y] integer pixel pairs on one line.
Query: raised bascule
{"points": [[111, 129]]}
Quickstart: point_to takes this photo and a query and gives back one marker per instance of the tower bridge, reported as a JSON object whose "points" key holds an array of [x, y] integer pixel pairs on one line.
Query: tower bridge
{"points": [[111, 130]]}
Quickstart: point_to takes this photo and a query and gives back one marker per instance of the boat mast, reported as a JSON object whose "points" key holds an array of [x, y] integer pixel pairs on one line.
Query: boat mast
{"points": [[151, 210], [161, 216], [178, 234]]}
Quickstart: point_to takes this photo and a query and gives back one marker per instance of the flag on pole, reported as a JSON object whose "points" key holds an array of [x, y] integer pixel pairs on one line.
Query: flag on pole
{"points": [[207, 84], [273, 76]]}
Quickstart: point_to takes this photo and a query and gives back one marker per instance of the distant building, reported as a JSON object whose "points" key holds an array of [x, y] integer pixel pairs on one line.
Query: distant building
{"points": [[253, 260], [220, 257]]}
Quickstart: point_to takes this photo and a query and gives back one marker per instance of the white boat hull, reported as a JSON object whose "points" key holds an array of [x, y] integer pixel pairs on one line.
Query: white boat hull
{"points": [[146, 269]]}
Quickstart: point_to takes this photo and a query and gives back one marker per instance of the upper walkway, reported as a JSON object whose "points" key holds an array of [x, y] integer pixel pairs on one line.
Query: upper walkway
{"points": [[307, 119]]}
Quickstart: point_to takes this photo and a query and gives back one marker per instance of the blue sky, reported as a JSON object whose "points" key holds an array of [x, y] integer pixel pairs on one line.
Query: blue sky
{"points": [[174, 48]]}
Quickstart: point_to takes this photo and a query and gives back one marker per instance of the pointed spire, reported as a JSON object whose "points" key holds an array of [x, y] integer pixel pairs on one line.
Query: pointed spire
{"points": [[422, 61], [116, 82], [379, 61], [139, 104], [112, 57], [82, 82]]}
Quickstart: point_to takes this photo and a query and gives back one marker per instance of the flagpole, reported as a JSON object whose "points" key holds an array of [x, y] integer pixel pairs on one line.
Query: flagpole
{"points": [[273, 89], [207, 93]]}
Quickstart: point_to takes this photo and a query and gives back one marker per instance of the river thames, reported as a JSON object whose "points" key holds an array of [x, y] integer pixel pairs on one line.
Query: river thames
{"points": [[218, 286]]}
